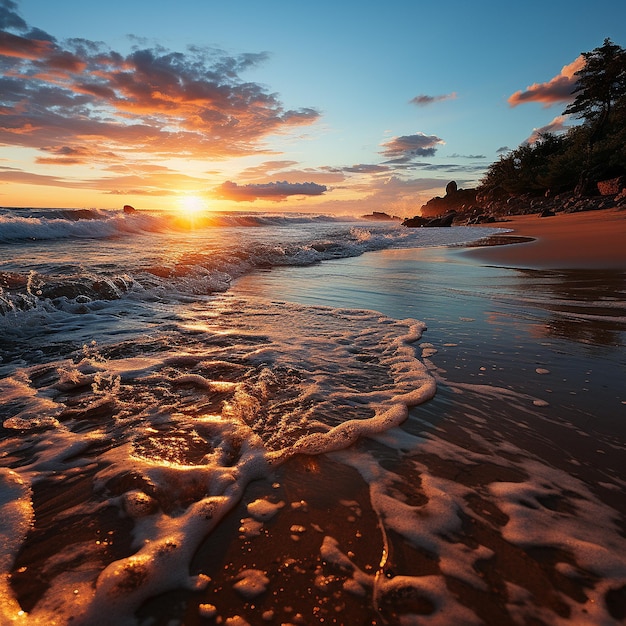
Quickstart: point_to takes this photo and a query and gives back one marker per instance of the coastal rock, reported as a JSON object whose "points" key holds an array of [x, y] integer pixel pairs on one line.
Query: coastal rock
{"points": [[443, 221], [459, 200], [481, 218], [414, 222], [451, 188], [612, 187], [496, 205], [380, 216], [129, 209]]}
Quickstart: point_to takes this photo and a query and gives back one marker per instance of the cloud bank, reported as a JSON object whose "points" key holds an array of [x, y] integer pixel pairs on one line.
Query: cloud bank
{"points": [[64, 98], [276, 191], [408, 147], [557, 90]]}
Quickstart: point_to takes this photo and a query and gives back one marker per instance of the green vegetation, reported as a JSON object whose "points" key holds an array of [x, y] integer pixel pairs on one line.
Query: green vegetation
{"points": [[592, 151]]}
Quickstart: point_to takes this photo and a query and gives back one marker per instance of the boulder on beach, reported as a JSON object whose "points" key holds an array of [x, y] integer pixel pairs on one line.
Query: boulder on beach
{"points": [[612, 187], [443, 221]]}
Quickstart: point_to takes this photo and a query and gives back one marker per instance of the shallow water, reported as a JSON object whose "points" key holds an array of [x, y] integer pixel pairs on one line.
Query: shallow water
{"points": [[519, 455], [190, 436]]}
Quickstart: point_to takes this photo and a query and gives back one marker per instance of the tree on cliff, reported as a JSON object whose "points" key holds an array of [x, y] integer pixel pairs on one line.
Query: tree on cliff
{"points": [[601, 83], [583, 155]]}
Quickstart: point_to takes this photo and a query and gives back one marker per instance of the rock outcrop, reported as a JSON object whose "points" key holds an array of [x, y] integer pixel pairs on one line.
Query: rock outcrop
{"points": [[469, 208], [441, 222], [456, 199], [612, 187]]}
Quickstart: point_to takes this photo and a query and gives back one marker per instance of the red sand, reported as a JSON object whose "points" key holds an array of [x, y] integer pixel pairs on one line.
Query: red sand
{"points": [[592, 239]]}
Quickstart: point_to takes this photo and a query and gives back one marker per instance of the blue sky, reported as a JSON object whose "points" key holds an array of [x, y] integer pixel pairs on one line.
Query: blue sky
{"points": [[360, 107]]}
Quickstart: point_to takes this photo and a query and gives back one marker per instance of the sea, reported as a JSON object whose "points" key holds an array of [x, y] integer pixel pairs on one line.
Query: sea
{"points": [[168, 382]]}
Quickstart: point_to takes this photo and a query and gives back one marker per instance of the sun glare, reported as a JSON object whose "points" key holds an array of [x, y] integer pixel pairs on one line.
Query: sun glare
{"points": [[192, 205]]}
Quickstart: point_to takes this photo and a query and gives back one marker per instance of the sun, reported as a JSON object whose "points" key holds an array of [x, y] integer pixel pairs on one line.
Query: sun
{"points": [[191, 205]]}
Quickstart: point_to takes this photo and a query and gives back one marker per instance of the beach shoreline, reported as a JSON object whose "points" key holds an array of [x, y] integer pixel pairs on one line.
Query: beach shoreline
{"points": [[526, 347], [474, 509], [584, 240]]}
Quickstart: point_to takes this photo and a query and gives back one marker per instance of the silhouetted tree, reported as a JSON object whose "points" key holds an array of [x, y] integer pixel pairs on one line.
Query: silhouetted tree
{"points": [[601, 83], [524, 169], [586, 153]]}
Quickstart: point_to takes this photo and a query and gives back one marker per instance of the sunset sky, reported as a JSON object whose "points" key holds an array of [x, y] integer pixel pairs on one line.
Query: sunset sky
{"points": [[335, 107]]}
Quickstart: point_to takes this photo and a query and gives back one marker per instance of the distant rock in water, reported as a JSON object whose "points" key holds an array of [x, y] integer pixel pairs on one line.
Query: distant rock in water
{"points": [[129, 209], [380, 216]]}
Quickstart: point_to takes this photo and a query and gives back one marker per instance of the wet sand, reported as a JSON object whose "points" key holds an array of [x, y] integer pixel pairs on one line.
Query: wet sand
{"points": [[590, 239], [526, 342]]}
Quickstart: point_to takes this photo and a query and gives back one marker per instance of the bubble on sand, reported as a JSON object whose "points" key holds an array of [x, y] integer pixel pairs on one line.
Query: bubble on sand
{"points": [[199, 582], [263, 510], [251, 583], [207, 610], [297, 530], [428, 350], [236, 620], [139, 504], [250, 527]]}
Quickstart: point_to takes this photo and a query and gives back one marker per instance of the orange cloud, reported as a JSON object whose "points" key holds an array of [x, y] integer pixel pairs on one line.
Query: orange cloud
{"points": [[168, 104], [558, 89], [557, 125], [23, 48]]}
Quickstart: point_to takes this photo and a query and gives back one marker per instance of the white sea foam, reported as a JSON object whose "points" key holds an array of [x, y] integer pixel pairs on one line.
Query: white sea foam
{"points": [[291, 383]]}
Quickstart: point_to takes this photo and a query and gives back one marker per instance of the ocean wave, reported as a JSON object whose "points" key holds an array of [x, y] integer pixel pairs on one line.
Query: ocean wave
{"points": [[178, 266], [74, 224], [166, 431], [19, 225]]}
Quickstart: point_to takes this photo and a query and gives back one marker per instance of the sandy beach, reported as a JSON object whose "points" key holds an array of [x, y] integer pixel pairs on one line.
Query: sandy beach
{"points": [[586, 240]]}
